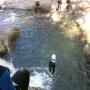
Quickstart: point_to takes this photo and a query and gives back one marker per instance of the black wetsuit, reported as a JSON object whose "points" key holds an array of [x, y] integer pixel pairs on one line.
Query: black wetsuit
{"points": [[52, 66], [37, 6]]}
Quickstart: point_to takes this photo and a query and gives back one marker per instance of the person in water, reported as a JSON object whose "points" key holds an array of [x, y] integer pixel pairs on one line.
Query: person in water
{"points": [[52, 64], [20, 80], [37, 6]]}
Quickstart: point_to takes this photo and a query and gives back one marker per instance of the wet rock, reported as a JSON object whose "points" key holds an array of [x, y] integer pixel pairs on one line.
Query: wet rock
{"points": [[56, 16], [84, 38], [3, 49], [7, 40], [86, 53], [13, 34]]}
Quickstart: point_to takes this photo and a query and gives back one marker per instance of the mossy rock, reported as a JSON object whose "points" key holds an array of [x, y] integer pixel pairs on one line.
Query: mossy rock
{"points": [[86, 53], [12, 36]]}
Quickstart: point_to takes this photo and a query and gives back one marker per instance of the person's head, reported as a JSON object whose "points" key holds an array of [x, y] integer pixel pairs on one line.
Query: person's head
{"points": [[37, 1], [53, 56]]}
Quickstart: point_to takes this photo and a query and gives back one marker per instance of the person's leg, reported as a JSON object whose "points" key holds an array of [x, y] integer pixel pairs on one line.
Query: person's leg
{"points": [[50, 66], [57, 8], [60, 6], [53, 68], [35, 9], [38, 9], [21, 78]]}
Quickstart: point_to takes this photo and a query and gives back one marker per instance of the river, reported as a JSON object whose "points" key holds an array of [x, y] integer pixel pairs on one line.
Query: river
{"points": [[39, 39]]}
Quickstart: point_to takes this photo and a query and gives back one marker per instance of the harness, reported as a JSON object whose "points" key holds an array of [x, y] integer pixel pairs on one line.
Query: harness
{"points": [[53, 60]]}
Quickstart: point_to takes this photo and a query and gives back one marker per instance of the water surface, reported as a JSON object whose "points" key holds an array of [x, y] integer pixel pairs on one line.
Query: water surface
{"points": [[39, 39]]}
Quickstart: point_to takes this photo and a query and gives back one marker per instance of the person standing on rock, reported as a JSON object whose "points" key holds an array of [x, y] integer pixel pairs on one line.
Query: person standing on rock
{"points": [[68, 4], [59, 2], [52, 64], [37, 6]]}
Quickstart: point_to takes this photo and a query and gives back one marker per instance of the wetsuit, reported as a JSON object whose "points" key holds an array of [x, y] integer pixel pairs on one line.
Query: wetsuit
{"points": [[52, 66], [37, 6]]}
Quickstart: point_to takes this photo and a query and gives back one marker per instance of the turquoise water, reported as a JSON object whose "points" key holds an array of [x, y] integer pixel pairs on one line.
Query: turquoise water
{"points": [[38, 40]]}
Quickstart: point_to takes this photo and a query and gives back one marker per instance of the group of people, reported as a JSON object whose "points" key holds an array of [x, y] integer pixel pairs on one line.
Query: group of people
{"points": [[58, 7], [59, 3]]}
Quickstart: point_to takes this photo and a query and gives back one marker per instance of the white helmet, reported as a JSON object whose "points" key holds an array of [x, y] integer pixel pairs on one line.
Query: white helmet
{"points": [[53, 56]]}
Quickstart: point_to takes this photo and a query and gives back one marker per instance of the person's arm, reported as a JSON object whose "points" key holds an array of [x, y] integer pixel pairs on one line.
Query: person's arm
{"points": [[6, 82]]}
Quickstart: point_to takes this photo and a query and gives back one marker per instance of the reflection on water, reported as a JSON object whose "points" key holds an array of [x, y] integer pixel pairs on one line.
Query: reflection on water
{"points": [[39, 39]]}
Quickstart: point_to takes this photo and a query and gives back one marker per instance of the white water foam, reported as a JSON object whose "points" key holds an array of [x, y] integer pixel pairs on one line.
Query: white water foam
{"points": [[1, 2], [11, 19], [40, 78], [8, 65]]}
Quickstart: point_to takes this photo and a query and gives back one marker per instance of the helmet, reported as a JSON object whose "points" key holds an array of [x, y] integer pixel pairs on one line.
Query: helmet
{"points": [[53, 56]]}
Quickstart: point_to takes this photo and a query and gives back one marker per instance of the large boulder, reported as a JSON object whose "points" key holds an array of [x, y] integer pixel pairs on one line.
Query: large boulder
{"points": [[27, 4], [86, 53], [13, 34], [3, 48], [84, 37], [7, 40]]}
